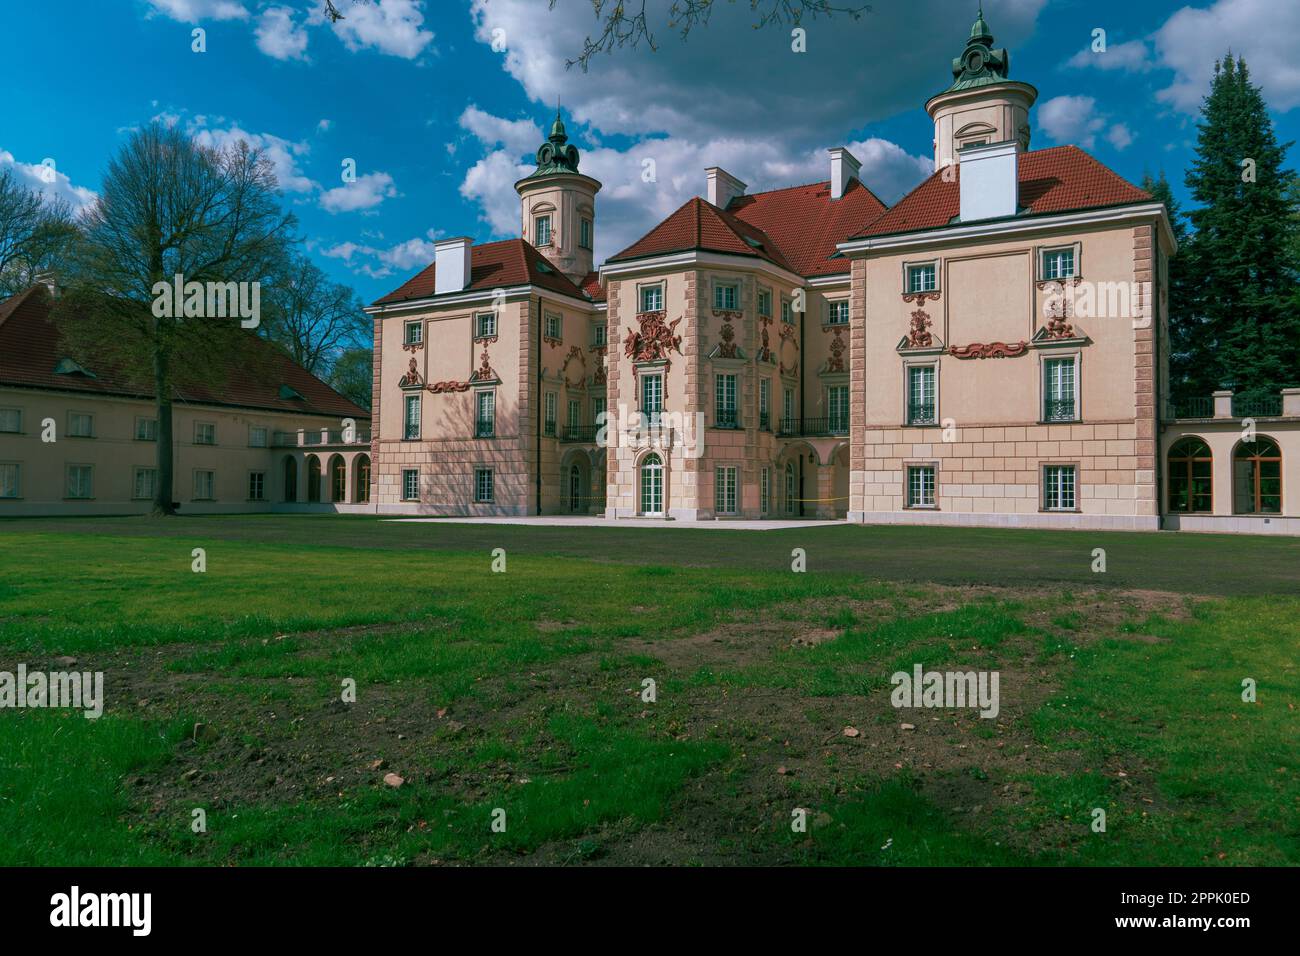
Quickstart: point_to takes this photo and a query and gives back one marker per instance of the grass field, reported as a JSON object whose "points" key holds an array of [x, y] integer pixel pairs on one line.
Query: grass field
{"points": [[520, 696]]}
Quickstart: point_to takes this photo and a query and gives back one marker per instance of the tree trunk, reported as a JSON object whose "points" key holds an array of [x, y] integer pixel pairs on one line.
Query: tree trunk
{"points": [[163, 497]]}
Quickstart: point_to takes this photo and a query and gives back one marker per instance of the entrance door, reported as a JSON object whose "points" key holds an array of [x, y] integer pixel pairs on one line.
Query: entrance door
{"points": [[575, 489]]}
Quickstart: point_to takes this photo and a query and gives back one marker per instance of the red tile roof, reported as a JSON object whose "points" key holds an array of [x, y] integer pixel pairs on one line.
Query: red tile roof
{"points": [[592, 287], [30, 350], [1060, 179], [700, 225], [493, 265], [806, 224]]}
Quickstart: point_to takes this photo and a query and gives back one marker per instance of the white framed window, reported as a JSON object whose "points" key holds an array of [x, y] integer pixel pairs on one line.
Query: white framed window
{"points": [[81, 481], [787, 311], [652, 485], [765, 404], [765, 302], [81, 425], [920, 486], [205, 433], [597, 409], [554, 326], [410, 484], [765, 490], [921, 277], [724, 490], [787, 411], [584, 233], [10, 479], [1059, 263], [485, 324], [548, 403], [1059, 488], [921, 406], [724, 409], [652, 298], [837, 409], [257, 486], [485, 413], [414, 333], [411, 428], [575, 413], [652, 398], [725, 296], [256, 436], [146, 429], [11, 420], [542, 230], [204, 482], [598, 334], [483, 485], [837, 312], [144, 484], [1060, 390]]}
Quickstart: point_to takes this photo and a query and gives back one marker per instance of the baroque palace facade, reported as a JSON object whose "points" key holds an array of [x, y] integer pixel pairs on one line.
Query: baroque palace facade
{"points": [[992, 349]]}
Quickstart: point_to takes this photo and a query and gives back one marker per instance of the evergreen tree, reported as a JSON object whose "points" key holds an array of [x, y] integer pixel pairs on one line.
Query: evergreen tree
{"points": [[1240, 259], [1187, 352]]}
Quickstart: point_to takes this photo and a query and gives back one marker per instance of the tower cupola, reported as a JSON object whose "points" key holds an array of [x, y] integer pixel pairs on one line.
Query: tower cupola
{"points": [[558, 206]]}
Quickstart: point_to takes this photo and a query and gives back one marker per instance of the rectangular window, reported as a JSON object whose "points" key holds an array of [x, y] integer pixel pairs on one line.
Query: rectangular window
{"points": [[1058, 390], [837, 312], [542, 230], [554, 327], [485, 416], [920, 486], [921, 278], [765, 490], [414, 333], [575, 413], [11, 420], [725, 395], [205, 433], [146, 429], [837, 409], [787, 314], [81, 425], [257, 436], [584, 233], [765, 302], [598, 335], [725, 296], [410, 484], [920, 395], [652, 298], [146, 484], [550, 413], [81, 481], [203, 484], [597, 409], [724, 490], [1058, 488], [256, 485], [9, 480], [788, 425], [1058, 263], [411, 429], [485, 324], [765, 404], [483, 489], [652, 398]]}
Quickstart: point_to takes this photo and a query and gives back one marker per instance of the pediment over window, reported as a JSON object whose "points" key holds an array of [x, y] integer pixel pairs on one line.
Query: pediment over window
{"points": [[1059, 332]]}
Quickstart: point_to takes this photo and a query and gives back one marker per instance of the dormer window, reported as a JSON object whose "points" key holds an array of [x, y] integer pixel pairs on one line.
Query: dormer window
{"points": [[542, 230], [921, 278]]}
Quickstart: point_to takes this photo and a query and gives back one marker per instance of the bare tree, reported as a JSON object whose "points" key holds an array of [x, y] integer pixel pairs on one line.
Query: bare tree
{"points": [[352, 375], [170, 207], [36, 235], [311, 317]]}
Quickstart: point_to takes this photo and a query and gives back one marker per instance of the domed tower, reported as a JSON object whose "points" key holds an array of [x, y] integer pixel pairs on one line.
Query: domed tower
{"points": [[558, 205], [982, 106]]}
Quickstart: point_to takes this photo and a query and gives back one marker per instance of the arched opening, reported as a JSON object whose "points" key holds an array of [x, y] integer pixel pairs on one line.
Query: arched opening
{"points": [[338, 479], [313, 478], [840, 482], [652, 485], [1191, 478], [290, 479], [576, 503], [361, 476], [1257, 477]]}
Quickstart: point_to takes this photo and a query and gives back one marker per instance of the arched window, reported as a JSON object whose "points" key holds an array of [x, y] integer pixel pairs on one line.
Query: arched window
{"points": [[338, 479], [1191, 485], [362, 493], [313, 478], [652, 485], [290, 479], [575, 489], [1257, 477]]}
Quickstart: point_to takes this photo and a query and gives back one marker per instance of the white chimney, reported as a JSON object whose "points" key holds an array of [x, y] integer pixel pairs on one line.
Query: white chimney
{"points": [[844, 169], [989, 187], [723, 187], [451, 260]]}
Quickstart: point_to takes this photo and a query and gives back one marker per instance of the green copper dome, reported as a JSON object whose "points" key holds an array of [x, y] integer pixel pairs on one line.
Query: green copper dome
{"points": [[557, 154], [979, 64]]}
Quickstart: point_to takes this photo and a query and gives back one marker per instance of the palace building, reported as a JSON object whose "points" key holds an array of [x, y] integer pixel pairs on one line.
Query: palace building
{"points": [[992, 349]]}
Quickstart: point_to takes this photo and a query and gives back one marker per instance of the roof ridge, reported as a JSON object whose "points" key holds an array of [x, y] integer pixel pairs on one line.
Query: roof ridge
{"points": [[10, 305]]}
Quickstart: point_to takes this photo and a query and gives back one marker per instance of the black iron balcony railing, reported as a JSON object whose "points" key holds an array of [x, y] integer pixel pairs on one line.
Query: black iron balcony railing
{"points": [[1256, 406], [764, 422], [484, 429], [920, 413], [582, 433], [726, 418], [1194, 408], [549, 429], [1059, 410], [835, 425]]}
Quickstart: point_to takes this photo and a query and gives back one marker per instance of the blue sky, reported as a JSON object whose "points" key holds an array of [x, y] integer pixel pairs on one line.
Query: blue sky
{"points": [[440, 124]]}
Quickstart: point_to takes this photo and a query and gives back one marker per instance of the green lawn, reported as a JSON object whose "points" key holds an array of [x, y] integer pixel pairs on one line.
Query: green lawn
{"points": [[518, 696]]}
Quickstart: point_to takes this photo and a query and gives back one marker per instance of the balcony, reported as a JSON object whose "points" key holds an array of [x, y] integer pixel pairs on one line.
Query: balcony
{"points": [[1227, 406], [726, 418], [580, 433], [318, 437], [813, 427], [1059, 410], [1194, 408], [1256, 406], [921, 413]]}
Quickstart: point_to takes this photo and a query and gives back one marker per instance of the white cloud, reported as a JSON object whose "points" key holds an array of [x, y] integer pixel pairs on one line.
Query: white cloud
{"points": [[1133, 56], [364, 192], [390, 26], [324, 126], [280, 36], [46, 179], [1120, 136], [1263, 31], [192, 11], [1071, 119], [377, 263], [283, 154], [519, 137]]}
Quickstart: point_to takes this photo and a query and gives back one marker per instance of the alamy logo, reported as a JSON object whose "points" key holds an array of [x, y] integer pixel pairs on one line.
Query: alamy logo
{"points": [[103, 909], [66, 690], [954, 689], [209, 300]]}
